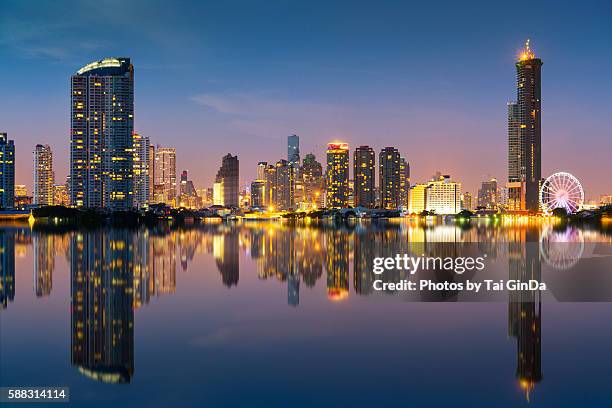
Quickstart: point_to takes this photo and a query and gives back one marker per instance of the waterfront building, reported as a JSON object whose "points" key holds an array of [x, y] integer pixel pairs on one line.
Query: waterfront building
{"points": [[102, 124], [258, 193], [313, 181], [404, 182], [7, 172], [364, 171], [285, 185], [389, 178], [60, 195], [443, 196], [337, 175], [488, 194], [43, 175], [525, 134], [165, 175], [466, 201], [418, 195], [226, 182], [142, 149], [151, 169]]}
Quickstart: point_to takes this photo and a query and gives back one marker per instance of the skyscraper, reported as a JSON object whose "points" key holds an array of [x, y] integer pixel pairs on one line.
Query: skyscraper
{"points": [[227, 181], [337, 175], [261, 170], [258, 193], [293, 149], [404, 182], [142, 161], [488, 194], [312, 179], [529, 111], [102, 124], [165, 174], [364, 170], [151, 168], [43, 175], [7, 172], [389, 162], [285, 185]]}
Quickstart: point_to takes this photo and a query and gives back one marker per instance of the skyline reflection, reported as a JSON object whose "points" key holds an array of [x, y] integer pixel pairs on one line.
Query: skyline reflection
{"points": [[114, 272]]}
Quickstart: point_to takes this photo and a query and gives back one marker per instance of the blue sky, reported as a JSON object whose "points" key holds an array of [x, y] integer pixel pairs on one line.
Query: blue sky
{"points": [[239, 76]]}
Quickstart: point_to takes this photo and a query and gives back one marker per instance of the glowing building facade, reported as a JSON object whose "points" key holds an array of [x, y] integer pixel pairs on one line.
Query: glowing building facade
{"points": [[141, 145], [364, 171], [389, 178], [525, 134], [165, 175], [337, 175], [43, 175], [7, 172], [102, 124]]}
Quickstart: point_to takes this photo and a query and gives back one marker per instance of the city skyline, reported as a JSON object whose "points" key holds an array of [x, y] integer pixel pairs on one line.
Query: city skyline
{"points": [[337, 99]]}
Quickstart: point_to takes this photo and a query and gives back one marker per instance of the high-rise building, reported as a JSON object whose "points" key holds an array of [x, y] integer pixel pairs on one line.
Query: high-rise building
{"points": [[151, 168], [404, 182], [258, 193], [285, 185], [43, 175], [261, 170], [488, 194], [227, 181], [142, 149], [389, 178], [337, 175], [293, 149], [364, 171], [165, 175], [270, 178], [312, 179], [418, 198], [525, 153], [443, 196], [60, 195], [7, 172], [102, 124], [466, 201], [188, 196]]}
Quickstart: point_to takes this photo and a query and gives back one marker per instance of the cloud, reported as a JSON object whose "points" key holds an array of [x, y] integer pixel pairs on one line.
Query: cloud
{"points": [[263, 105]]}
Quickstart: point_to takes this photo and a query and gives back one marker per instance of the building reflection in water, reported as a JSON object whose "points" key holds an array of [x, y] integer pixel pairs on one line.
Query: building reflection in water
{"points": [[44, 263], [114, 272], [101, 266], [337, 264], [524, 308], [7, 267], [225, 250]]}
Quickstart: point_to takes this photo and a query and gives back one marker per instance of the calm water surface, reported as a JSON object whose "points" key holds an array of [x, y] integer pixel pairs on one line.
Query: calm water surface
{"points": [[277, 315]]}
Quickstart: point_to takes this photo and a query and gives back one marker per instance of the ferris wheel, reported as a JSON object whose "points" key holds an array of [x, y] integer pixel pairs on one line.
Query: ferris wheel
{"points": [[561, 190]]}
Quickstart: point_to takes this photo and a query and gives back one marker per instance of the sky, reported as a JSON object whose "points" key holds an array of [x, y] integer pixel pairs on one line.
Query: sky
{"points": [[211, 78]]}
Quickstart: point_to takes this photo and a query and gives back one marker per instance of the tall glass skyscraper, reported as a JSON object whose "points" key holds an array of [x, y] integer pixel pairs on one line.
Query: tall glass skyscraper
{"points": [[43, 175], [364, 171], [7, 172], [102, 123], [293, 149]]}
